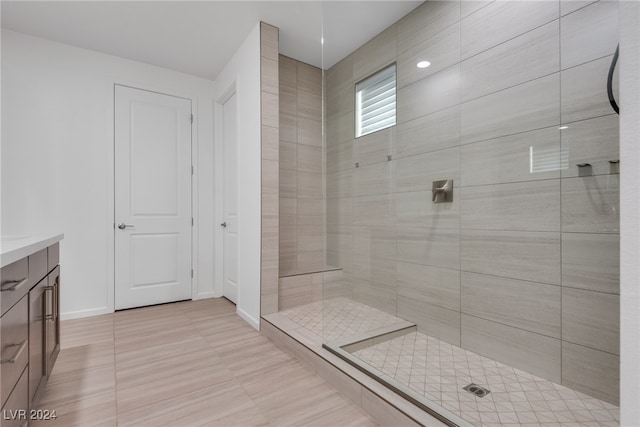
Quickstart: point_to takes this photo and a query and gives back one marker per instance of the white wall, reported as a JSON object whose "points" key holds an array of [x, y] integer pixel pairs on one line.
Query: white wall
{"points": [[630, 213], [57, 158], [243, 74]]}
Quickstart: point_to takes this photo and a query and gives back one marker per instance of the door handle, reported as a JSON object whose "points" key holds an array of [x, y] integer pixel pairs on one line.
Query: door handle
{"points": [[122, 226], [224, 224]]}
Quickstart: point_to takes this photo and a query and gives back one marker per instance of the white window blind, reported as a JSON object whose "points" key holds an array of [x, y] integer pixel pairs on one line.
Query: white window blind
{"points": [[376, 102]]}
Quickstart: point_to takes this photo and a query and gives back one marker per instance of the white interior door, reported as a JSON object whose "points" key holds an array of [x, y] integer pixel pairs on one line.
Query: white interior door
{"points": [[230, 202], [152, 198]]}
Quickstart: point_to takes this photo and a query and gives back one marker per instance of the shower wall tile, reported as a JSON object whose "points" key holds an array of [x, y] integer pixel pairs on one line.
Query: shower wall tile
{"points": [[309, 78], [429, 246], [417, 173], [309, 132], [531, 352], [288, 72], [526, 57], [591, 204], [426, 21], [375, 242], [375, 54], [584, 91], [309, 104], [431, 320], [310, 211], [431, 285], [270, 147], [340, 211], [340, 127], [568, 6], [288, 127], [340, 184], [512, 254], [416, 209], [433, 132], [288, 103], [470, 6], [374, 179], [509, 159], [589, 33], [310, 261], [309, 238], [377, 295], [375, 147], [591, 262], [270, 176], [288, 211], [534, 307], [309, 185], [434, 93], [270, 209], [270, 109], [294, 291], [593, 141], [590, 371], [522, 206], [288, 155], [501, 21], [288, 183], [269, 41], [442, 50], [591, 319], [309, 158], [339, 156], [379, 210], [269, 75], [288, 239], [529, 106]]}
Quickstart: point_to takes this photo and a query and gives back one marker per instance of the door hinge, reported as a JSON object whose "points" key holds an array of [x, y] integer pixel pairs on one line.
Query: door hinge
{"points": [[191, 118]]}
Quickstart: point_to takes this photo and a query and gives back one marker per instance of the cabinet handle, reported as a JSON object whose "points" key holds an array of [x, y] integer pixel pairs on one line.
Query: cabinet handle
{"points": [[17, 354], [48, 315], [15, 284]]}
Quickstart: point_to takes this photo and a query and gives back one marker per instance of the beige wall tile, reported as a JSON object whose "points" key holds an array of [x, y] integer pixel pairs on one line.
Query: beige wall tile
{"points": [[309, 158], [534, 353], [309, 77], [584, 91], [378, 178], [569, 6], [288, 129], [529, 106], [591, 204], [309, 104], [268, 304], [522, 206], [416, 209], [591, 371], [270, 209], [589, 33], [311, 212], [591, 319], [425, 22], [375, 147], [431, 320], [288, 264], [375, 54], [429, 246], [270, 109], [508, 159], [417, 173], [288, 155], [270, 176], [341, 127], [340, 211], [309, 185], [378, 295], [526, 57], [433, 132], [310, 261], [287, 71], [309, 132], [593, 141], [512, 18], [376, 210], [309, 238], [513, 254], [434, 93], [431, 285], [268, 41], [442, 50], [591, 261], [269, 279], [288, 240], [270, 143], [339, 155], [294, 291], [534, 307], [287, 99], [269, 75], [340, 183], [288, 183], [471, 6], [270, 243]]}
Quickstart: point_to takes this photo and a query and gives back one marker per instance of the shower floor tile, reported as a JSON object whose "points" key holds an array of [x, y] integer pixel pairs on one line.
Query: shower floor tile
{"points": [[438, 371]]}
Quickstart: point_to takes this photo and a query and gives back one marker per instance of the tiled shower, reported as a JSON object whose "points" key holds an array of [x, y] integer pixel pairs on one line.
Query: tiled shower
{"points": [[521, 269]]}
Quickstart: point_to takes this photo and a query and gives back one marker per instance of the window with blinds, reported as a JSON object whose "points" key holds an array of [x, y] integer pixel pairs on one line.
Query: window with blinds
{"points": [[376, 102]]}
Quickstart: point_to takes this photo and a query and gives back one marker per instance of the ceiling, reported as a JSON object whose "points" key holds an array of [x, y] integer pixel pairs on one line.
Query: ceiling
{"points": [[199, 37]]}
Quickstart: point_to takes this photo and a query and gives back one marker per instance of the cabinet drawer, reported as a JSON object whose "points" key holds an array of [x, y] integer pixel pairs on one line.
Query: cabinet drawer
{"points": [[54, 256], [14, 342], [16, 411], [15, 283]]}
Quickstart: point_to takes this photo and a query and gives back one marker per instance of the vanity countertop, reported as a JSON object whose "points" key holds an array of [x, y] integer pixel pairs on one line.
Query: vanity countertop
{"points": [[13, 248]]}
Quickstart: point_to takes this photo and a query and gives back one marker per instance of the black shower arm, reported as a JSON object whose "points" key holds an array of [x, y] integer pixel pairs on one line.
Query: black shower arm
{"points": [[612, 68]]}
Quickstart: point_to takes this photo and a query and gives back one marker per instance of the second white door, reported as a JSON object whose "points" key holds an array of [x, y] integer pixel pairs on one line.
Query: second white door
{"points": [[152, 198], [230, 203]]}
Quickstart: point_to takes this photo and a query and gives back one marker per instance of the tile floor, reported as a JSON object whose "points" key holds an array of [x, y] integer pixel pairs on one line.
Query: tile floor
{"points": [[186, 364], [438, 371]]}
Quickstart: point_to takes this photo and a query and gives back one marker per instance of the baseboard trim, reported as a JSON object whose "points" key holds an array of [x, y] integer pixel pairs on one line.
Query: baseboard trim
{"points": [[85, 313], [255, 323]]}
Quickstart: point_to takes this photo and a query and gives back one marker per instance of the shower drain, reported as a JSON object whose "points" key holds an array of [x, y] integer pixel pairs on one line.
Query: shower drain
{"points": [[477, 390]]}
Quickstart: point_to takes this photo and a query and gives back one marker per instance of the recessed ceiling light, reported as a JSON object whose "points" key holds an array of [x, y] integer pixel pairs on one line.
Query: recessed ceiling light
{"points": [[563, 127], [423, 64]]}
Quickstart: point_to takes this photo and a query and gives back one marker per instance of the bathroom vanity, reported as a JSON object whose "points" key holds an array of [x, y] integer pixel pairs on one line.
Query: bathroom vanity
{"points": [[29, 323]]}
